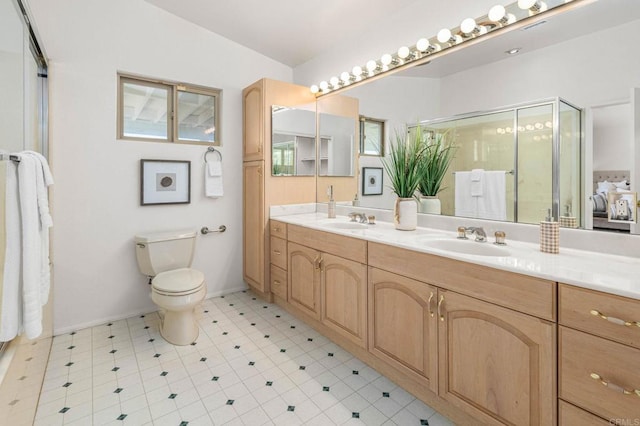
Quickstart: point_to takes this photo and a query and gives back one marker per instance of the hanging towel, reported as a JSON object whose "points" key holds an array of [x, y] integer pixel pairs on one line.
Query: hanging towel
{"points": [[11, 308], [477, 182], [44, 179], [493, 203], [465, 204], [213, 178]]}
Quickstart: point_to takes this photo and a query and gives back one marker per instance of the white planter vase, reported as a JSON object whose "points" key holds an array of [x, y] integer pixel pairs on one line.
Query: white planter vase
{"points": [[405, 214], [430, 204]]}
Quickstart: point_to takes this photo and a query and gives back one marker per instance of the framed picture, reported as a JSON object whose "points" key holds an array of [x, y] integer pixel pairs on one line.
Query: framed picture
{"points": [[622, 207], [165, 182], [372, 181]]}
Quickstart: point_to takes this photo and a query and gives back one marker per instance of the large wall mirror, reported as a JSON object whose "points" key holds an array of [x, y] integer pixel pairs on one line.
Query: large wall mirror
{"points": [[569, 91]]}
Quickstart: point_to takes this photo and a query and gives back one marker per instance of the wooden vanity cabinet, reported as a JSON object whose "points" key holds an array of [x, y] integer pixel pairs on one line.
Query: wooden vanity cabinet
{"points": [[599, 355], [260, 189], [403, 325], [496, 364], [326, 283]]}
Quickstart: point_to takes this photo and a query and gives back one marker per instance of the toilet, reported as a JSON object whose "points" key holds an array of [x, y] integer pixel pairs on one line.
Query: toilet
{"points": [[176, 288]]}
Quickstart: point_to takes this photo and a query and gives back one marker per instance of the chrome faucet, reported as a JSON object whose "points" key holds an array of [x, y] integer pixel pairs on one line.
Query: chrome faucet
{"points": [[358, 217], [481, 236]]}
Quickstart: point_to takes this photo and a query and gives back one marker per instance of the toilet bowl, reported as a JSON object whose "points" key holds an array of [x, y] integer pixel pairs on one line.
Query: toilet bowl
{"points": [[177, 293], [176, 289]]}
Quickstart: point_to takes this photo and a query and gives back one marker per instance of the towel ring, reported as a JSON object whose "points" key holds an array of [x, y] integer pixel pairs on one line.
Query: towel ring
{"points": [[212, 149]]}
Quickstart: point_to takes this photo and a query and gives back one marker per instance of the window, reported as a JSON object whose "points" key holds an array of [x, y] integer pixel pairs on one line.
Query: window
{"points": [[371, 136], [155, 110]]}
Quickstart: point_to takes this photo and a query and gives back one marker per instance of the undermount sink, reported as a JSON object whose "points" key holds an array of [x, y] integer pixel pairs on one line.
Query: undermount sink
{"points": [[468, 247], [345, 225]]}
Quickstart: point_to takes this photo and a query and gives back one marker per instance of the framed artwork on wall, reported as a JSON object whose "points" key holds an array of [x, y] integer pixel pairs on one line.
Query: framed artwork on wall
{"points": [[165, 182], [372, 181]]}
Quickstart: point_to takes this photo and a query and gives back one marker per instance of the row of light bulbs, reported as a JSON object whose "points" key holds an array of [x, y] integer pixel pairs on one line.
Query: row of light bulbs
{"points": [[528, 128], [498, 15]]}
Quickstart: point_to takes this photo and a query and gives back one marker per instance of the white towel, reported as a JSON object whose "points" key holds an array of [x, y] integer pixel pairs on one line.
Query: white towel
{"points": [[213, 179], [465, 205], [44, 178], [493, 203], [11, 308], [477, 182]]}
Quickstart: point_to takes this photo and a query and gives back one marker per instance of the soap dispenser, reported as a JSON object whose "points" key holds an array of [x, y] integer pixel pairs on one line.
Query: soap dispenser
{"points": [[549, 235], [356, 201], [332, 203]]}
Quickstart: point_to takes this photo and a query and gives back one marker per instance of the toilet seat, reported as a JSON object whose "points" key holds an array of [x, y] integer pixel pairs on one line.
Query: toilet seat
{"points": [[178, 282]]}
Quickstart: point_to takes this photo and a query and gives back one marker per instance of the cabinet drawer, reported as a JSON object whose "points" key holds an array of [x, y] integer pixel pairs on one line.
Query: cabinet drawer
{"points": [[278, 229], [279, 252], [346, 247], [522, 293], [570, 415], [582, 355], [577, 305], [279, 282]]}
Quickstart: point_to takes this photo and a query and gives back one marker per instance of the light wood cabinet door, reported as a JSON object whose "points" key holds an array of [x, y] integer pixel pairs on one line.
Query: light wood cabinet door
{"points": [[304, 279], [343, 287], [253, 122], [569, 415], [403, 324], [496, 364], [253, 224]]}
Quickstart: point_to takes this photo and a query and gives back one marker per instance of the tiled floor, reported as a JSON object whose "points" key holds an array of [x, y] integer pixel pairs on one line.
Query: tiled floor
{"points": [[252, 364]]}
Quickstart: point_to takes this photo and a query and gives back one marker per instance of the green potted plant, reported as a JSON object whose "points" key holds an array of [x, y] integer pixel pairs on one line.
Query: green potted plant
{"points": [[437, 154], [401, 166]]}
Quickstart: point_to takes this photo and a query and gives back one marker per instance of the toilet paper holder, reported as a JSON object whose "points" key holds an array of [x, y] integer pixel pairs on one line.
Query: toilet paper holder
{"points": [[204, 230]]}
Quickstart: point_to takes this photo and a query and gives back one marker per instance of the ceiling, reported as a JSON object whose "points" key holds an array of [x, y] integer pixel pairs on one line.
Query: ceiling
{"points": [[289, 31]]}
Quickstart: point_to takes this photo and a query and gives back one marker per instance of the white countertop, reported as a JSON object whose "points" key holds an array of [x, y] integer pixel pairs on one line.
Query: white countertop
{"points": [[608, 273]]}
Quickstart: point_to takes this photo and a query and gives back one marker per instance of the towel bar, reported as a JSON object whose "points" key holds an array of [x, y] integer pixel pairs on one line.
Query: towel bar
{"points": [[205, 230], [212, 149], [11, 157]]}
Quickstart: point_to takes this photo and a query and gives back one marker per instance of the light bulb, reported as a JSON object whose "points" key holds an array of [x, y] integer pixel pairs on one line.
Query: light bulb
{"points": [[497, 12], [468, 25], [548, 124], [324, 85], [403, 52], [521, 128], [500, 131], [532, 5], [345, 77], [372, 65], [386, 59], [357, 71], [423, 45], [508, 129], [314, 89], [334, 81], [539, 126], [444, 35], [529, 127]]}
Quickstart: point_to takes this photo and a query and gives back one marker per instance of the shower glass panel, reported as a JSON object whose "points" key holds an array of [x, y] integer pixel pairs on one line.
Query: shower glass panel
{"points": [[538, 147], [570, 130], [482, 142], [535, 162], [12, 59]]}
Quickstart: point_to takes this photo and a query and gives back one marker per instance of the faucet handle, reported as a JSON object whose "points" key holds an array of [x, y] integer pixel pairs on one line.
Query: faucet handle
{"points": [[462, 233], [500, 238]]}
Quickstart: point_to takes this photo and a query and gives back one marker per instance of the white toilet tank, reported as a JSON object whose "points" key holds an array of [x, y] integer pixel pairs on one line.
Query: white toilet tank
{"points": [[164, 251]]}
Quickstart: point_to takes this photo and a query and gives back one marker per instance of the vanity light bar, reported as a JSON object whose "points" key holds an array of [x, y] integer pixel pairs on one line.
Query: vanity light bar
{"points": [[470, 29]]}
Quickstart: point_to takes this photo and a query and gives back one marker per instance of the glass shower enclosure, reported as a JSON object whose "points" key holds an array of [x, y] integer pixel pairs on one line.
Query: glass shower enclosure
{"points": [[538, 147]]}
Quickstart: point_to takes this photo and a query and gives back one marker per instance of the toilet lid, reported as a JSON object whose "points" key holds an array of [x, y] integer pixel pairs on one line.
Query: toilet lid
{"points": [[178, 280]]}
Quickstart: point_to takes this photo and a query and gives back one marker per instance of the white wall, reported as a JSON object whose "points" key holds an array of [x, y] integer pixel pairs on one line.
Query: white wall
{"points": [[96, 194], [612, 135], [398, 100], [587, 71]]}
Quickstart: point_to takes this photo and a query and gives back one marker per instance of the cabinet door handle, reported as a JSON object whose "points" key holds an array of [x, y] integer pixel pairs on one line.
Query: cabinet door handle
{"points": [[615, 320], [431, 314], [260, 171], [440, 303], [276, 229], [316, 262], [614, 387], [277, 252], [277, 282]]}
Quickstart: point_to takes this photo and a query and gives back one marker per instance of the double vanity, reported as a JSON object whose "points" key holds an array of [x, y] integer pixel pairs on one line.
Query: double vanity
{"points": [[483, 333]]}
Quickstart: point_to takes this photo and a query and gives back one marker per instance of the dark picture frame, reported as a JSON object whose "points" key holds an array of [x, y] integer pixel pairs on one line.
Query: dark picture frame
{"points": [[372, 179], [165, 182]]}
